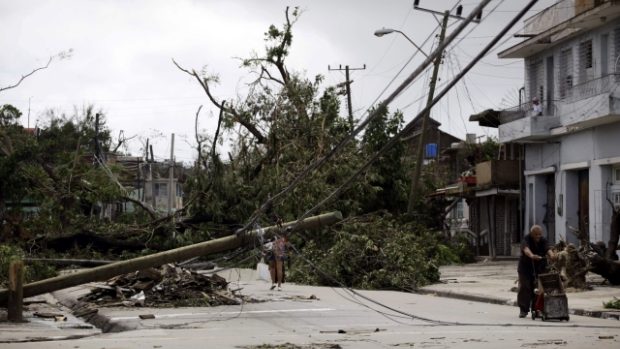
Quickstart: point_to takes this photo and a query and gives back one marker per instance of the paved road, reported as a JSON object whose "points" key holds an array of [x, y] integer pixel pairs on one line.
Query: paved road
{"points": [[337, 319]]}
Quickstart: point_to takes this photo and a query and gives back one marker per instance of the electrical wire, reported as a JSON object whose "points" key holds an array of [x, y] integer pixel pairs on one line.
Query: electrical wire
{"points": [[410, 126], [341, 145]]}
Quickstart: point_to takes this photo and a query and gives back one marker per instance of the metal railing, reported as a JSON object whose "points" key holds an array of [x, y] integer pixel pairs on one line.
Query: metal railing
{"points": [[591, 88], [549, 108]]}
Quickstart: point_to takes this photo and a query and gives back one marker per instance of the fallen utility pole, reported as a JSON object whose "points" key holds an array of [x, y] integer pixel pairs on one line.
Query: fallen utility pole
{"points": [[105, 272]]}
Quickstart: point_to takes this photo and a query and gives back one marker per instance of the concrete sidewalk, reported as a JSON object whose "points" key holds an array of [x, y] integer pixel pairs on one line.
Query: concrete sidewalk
{"points": [[493, 281], [36, 328]]}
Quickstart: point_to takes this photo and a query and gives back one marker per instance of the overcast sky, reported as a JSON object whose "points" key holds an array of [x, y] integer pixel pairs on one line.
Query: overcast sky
{"points": [[122, 54]]}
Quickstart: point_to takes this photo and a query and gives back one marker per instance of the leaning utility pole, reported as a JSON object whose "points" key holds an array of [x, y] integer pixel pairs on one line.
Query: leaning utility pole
{"points": [[180, 254], [415, 180], [431, 94], [347, 85]]}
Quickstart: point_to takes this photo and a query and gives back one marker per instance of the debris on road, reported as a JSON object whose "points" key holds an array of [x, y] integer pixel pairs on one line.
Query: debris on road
{"points": [[293, 346], [146, 316], [545, 342], [168, 285], [46, 315]]}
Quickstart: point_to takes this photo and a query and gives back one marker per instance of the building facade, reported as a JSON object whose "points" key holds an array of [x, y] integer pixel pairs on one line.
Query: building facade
{"points": [[571, 142]]}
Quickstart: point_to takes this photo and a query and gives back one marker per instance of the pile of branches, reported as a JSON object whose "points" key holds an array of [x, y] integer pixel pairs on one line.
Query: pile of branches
{"points": [[168, 285]]}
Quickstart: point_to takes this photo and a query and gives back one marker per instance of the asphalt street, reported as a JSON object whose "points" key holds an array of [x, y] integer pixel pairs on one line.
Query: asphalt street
{"points": [[322, 317]]}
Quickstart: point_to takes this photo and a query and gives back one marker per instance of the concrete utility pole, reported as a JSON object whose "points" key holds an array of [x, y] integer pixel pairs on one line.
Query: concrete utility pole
{"points": [[347, 84], [172, 188], [206, 248], [415, 180]]}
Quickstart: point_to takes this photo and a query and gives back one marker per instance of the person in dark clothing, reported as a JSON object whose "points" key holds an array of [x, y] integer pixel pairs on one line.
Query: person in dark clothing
{"points": [[531, 263]]}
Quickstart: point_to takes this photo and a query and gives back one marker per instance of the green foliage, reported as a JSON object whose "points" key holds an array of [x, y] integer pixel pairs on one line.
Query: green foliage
{"points": [[32, 272], [377, 252], [53, 171], [612, 304]]}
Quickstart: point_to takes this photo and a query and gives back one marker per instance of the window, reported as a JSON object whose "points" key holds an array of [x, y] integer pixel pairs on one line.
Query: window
{"points": [[459, 210], [585, 54], [616, 199], [616, 175], [535, 78], [161, 189], [566, 72], [585, 61]]}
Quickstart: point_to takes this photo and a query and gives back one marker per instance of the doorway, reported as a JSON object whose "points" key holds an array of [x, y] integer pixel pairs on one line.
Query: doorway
{"points": [[549, 218], [584, 204], [550, 85]]}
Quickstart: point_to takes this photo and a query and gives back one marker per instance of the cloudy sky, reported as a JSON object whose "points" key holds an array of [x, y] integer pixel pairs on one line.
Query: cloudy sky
{"points": [[122, 53]]}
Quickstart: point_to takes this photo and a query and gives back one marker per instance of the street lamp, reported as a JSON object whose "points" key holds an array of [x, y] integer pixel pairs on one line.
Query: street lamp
{"points": [[385, 31]]}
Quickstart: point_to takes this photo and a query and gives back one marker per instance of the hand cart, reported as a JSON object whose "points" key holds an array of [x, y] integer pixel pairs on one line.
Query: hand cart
{"points": [[550, 299]]}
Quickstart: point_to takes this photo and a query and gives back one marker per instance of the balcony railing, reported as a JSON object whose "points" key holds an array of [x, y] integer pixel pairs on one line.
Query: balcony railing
{"points": [[591, 88], [523, 110]]}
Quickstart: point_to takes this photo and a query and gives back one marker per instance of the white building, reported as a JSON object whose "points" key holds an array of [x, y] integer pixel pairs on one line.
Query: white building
{"points": [[572, 148]]}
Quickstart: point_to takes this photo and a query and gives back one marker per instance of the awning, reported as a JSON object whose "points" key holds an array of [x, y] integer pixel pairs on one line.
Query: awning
{"points": [[487, 118]]}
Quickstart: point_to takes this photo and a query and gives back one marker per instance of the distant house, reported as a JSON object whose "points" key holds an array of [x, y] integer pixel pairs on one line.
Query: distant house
{"points": [[485, 199], [571, 143], [150, 182], [436, 151]]}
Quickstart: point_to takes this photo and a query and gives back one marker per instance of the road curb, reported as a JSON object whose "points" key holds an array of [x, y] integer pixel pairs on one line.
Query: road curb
{"points": [[612, 315], [100, 321]]}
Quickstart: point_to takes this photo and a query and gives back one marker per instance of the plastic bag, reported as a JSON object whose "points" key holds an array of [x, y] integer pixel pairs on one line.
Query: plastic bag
{"points": [[262, 269]]}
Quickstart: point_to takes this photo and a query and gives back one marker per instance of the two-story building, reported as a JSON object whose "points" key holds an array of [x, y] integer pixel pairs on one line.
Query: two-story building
{"points": [[572, 144]]}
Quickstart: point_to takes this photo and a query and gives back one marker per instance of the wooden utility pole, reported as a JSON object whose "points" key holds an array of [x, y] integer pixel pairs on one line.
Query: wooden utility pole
{"points": [[206, 248], [347, 85], [15, 292], [415, 180]]}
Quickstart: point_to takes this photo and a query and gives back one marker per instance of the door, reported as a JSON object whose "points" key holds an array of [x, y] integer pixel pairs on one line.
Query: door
{"points": [[550, 86], [604, 54], [549, 220], [584, 205]]}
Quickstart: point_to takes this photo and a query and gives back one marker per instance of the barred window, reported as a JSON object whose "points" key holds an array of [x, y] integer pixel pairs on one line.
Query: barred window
{"points": [[585, 54], [566, 72]]}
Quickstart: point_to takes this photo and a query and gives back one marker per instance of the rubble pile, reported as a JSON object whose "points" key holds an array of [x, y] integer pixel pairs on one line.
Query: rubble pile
{"points": [[168, 285]]}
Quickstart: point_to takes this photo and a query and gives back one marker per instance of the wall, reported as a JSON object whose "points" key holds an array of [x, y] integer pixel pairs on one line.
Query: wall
{"points": [[536, 73]]}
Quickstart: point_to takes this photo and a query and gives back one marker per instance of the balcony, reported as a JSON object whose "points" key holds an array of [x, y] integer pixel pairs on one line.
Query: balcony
{"points": [[565, 19], [518, 124], [592, 103], [550, 17], [502, 173]]}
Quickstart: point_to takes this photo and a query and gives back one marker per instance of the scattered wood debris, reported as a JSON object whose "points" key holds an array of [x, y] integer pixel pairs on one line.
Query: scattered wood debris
{"points": [[293, 346], [168, 285]]}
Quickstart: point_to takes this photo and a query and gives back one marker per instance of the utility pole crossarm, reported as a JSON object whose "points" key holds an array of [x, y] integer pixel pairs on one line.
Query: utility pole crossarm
{"points": [[347, 87]]}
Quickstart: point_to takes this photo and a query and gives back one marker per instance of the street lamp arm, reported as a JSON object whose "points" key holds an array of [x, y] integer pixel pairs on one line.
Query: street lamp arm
{"points": [[385, 31], [413, 43]]}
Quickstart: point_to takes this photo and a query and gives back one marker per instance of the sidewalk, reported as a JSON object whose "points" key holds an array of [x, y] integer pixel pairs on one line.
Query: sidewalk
{"points": [[492, 281], [36, 329]]}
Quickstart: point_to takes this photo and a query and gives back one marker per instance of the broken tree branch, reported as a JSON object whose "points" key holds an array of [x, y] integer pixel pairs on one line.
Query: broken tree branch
{"points": [[148, 209], [260, 138], [24, 77]]}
